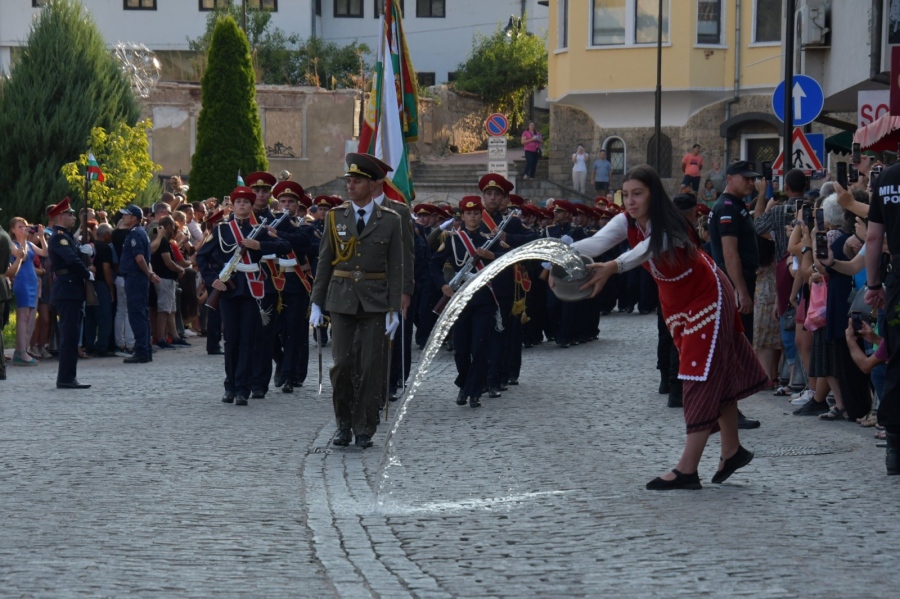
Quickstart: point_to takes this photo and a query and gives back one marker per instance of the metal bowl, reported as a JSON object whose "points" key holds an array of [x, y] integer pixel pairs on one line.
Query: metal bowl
{"points": [[565, 287]]}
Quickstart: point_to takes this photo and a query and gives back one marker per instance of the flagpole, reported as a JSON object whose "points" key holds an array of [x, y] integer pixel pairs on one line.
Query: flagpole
{"points": [[90, 293]]}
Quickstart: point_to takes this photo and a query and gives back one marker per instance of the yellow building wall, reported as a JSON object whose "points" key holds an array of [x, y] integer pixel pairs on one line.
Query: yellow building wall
{"points": [[581, 68]]}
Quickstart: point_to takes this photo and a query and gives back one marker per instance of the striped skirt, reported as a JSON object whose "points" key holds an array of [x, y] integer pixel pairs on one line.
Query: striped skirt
{"points": [[734, 373]]}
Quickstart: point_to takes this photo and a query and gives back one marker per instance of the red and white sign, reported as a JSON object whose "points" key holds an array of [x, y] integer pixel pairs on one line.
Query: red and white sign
{"points": [[802, 156], [872, 105]]}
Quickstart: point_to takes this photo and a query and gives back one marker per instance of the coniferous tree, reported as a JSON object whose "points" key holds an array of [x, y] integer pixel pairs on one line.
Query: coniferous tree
{"points": [[64, 83], [229, 134]]}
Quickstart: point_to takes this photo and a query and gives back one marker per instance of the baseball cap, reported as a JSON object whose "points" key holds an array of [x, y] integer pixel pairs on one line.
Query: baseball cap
{"points": [[743, 168], [133, 211]]}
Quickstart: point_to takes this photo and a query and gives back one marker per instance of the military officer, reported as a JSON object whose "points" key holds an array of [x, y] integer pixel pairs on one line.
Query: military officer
{"points": [[241, 298], [67, 293], [360, 282], [294, 283]]}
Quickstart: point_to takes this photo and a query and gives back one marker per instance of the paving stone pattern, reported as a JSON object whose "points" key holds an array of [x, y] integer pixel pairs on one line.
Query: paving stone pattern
{"points": [[147, 485]]}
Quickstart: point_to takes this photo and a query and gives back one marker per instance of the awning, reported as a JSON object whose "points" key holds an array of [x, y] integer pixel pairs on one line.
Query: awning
{"points": [[839, 143], [880, 135]]}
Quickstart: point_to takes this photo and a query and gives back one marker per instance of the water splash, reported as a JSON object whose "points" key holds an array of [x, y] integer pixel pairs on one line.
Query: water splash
{"points": [[547, 250]]}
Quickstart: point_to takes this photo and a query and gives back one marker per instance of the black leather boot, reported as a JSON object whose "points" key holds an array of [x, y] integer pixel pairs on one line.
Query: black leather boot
{"points": [[892, 455]]}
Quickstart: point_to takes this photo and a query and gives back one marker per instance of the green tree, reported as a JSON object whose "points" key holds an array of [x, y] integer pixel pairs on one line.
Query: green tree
{"points": [[124, 157], [61, 86], [504, 69], [286, 59], [229, 134]]}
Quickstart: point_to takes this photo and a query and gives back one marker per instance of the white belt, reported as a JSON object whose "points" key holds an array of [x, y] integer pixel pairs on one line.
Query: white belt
{"points": [[287, 262], [241, 267], [269, 257]]}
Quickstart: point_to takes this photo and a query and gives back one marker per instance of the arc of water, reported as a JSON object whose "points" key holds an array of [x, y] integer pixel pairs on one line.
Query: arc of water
{"points": [[545, 249]]}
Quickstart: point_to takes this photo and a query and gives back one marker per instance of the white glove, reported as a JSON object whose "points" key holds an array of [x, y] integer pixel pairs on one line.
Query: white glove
{"points": [[567, 239], [391, 322], [91, 276], [447, 224], [86, 249], [315, 316], [546, 265]]}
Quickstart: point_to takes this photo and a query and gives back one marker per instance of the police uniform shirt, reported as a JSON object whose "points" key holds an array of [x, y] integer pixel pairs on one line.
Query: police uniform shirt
{"points": [[885, 207], [730, 218], [70, 269], [136, 244]]}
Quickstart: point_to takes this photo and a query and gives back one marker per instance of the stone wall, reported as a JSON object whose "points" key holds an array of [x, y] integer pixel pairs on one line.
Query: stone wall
{"points": [[449, 118], [570, 126], [305, 129]]}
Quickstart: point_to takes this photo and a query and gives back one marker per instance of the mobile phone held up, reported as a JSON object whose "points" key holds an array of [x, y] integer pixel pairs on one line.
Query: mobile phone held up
{"points": [[856, 318], [820, 219], [842, 174], [856, 154], [853, 175], [821, 245]]}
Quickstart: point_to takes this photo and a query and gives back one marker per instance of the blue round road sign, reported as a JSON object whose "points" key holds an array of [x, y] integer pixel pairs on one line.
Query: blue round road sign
{"points": [[496, 124], [808, 100]]}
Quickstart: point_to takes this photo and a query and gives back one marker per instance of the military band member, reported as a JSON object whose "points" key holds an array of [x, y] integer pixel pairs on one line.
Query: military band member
{"points": [[242, 297], [67, 293], [294, 284], [474, 325], [360, 282]]}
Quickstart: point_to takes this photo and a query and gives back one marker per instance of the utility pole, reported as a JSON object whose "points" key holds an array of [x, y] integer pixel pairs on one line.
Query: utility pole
{"points": [[657, 128], [244, 16], [790, 7]]}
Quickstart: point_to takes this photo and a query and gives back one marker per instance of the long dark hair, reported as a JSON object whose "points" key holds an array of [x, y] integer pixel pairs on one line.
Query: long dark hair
{"points": [[669, 228]]}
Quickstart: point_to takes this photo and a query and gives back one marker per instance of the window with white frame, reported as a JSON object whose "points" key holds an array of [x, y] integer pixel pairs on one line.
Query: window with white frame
{"points": [[615, 153], [627, 22], [562, 24], [767, 21], [709, 22]]}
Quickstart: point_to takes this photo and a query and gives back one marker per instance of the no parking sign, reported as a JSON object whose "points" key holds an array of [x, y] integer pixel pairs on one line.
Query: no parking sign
{"points": [[496, 125]]}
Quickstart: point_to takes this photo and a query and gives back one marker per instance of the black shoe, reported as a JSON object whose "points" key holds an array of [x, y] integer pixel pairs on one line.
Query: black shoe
{"points": [[136, 359], [563, 345], [215, 352], [663, 383], [342, 437], [810, 408], [287, 388], [676, 400], [257, 394], [527, 345], [513, 381], [746, 423], [503, 387], [493, 392], [681, 481], [363, 441], [73, 384], [474, 402], [240, 400], [279, 379], [892, 453], [228, 397], [740, 459], [461, 398]]}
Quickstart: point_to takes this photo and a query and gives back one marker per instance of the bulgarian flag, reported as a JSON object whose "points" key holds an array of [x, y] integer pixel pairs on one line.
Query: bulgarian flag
{"points": [[392, 117], [93, 170], [240, 179]]}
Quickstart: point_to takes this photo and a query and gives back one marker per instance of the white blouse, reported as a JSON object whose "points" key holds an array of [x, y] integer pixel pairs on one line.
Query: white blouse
{"points": [[614, 233]]}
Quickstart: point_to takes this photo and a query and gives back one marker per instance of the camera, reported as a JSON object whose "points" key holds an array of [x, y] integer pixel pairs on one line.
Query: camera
{"points": [[856, 317], [32, 229], [767, 170]]}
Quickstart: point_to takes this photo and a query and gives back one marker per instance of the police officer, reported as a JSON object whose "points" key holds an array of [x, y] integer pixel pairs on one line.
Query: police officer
{"points": [[67, 294], [294, 283], [134, 266], [477, 320], [242, 296], [884, 222], [360, 281]]}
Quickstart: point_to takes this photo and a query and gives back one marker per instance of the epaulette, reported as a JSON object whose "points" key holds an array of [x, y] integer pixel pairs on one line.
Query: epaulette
{"points": [[391, 210]]}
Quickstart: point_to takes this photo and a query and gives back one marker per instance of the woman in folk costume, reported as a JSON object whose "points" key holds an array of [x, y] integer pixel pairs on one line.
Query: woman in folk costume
{"points": [[718, 365]]}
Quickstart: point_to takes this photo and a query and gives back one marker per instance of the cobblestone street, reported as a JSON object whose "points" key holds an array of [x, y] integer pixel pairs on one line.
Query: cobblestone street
{"points": [[147, 485]]}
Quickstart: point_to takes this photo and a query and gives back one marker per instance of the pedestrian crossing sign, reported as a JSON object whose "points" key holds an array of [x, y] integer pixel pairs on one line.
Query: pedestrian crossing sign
{"points": [[802, 156]]}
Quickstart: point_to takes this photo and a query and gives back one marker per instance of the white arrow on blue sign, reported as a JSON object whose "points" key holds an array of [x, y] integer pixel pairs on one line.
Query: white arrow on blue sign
{"points": [[808, 100]]}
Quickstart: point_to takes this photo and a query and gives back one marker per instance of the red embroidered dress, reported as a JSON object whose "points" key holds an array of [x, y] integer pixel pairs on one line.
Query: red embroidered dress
{"points": [[718, 365]]}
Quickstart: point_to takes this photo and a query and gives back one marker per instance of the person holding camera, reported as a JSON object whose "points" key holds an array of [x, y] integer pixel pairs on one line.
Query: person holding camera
{"points": [[25, 285]]}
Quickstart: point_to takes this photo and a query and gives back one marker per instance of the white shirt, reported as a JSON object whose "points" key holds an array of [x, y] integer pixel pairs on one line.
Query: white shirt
{"points": [[615, 232]]}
